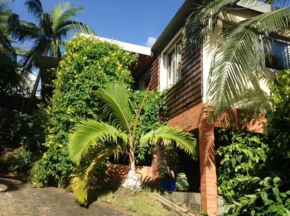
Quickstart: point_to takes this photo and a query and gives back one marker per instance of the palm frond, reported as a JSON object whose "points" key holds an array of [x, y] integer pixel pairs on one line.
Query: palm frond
{"points": [[22, 30], [22, 50], [45, 25], [89, 133], [72, 26], [39, 47], [233, 71], [203, 20], [63, 12], [168, 135], [83, 173], [117, 99], [34, 7], [253, 101]]}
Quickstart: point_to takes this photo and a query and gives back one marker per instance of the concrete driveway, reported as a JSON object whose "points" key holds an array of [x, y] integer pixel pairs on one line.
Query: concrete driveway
{"points": [[20, 199]]}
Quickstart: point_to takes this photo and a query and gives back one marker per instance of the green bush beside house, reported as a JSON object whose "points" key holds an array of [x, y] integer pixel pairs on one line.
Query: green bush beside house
{"points": [[254, 173]]}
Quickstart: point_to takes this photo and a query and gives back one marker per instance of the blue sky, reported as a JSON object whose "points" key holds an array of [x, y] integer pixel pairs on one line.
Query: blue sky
{"points": [[132, 21]]}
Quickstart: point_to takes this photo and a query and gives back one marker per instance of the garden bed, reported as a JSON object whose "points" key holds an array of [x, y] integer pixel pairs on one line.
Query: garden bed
{"points": [[142, 203]]}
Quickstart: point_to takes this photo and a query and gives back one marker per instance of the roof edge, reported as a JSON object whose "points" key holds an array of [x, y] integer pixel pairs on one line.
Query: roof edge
{"points": [[143, 50]]}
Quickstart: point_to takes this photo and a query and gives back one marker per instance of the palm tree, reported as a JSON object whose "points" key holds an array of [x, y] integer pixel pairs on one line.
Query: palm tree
{"points": [[5, 13], [235, 75], [49, 34], [92, 141]]}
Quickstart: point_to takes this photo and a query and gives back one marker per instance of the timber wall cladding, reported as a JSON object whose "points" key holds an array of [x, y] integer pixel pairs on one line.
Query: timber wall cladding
{"points": [[154, 74], [188, 91]]}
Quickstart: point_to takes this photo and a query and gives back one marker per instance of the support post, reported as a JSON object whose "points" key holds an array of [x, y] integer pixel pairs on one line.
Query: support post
{"points": [[208, 177]]}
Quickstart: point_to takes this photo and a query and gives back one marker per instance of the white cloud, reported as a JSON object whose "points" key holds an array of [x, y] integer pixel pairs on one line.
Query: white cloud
{"points": [[150, 41]]}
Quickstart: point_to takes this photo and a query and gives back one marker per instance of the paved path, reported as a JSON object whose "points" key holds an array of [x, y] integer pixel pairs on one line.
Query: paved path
{"points": [[20, 199]]}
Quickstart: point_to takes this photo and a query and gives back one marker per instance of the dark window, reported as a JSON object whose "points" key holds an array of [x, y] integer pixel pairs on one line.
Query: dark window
{"points": [[278, 56]]}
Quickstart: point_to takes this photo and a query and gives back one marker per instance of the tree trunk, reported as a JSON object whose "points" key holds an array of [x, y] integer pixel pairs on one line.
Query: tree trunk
{"points": [[132, 159], [132, 181], [33, 93]]}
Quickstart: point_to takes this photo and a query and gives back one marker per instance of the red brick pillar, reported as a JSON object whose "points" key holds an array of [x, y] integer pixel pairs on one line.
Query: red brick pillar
{"points": [[208, 177], [156, 162], [155, 165]]}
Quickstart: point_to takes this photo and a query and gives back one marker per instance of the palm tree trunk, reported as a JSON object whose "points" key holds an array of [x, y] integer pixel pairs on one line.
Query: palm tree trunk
{"points": [[132, 181], [33, 93], [132, 160]]}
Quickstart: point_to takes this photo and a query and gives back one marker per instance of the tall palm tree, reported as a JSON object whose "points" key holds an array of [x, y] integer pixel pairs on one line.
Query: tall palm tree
{"points": [[235, 75], [92, 141], [48, 34]]}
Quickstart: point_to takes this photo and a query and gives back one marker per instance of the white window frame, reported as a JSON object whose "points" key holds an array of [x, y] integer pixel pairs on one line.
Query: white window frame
{"points": [[164, 81]]}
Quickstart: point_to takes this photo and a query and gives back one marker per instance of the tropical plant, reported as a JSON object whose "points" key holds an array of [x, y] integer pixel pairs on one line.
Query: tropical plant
{"points": [[5, 13], [235, 74], [99, 140], [48, 34]]}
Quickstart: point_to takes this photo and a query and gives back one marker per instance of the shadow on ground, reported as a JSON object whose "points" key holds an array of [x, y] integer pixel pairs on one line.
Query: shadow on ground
{"points": [[6, 185]]}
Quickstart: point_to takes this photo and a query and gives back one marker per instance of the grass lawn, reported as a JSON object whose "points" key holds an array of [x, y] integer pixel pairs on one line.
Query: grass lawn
{"points": [[142, 203]]}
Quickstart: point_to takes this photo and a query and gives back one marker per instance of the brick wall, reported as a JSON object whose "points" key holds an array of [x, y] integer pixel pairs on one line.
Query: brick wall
{"points": [[155, 74], [187, 120], [188, 91]]}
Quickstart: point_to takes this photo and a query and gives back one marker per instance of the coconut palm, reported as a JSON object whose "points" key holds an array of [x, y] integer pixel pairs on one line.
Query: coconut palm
{"points": [[235, 75], [92, 141], [48, 34]]}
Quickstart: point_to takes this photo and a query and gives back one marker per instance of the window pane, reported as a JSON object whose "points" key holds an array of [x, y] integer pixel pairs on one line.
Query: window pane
{"points": [[178, 61], [279, 56], [171, 66]]}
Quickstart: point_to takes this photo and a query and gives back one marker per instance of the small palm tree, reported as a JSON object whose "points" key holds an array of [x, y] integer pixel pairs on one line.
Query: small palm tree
{"points": [[92, 141], [49, 34], [235, 75]]}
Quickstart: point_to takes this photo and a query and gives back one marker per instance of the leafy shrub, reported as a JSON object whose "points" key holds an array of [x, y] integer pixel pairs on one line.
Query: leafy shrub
{"points": [[261, 197], [22, 162], [244, 157], [19, 129], [254, 172], [87, 65], [243, 166], [277, 131], [14, 126]]}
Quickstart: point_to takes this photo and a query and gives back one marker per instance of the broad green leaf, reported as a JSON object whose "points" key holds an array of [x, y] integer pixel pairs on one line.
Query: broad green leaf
{"points": [[264, 196], [252, 212], [277, 181], [277, 195], [273, 208], [269, 202]]}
